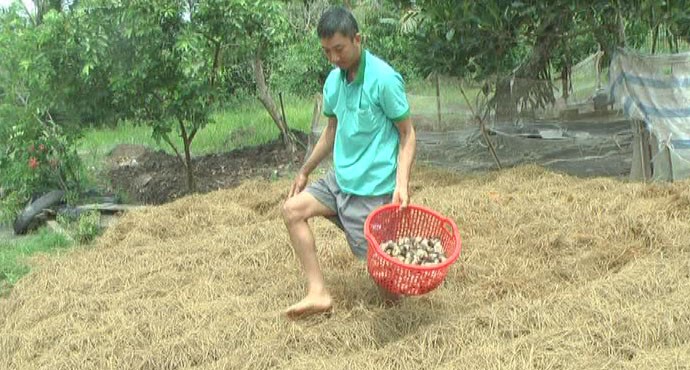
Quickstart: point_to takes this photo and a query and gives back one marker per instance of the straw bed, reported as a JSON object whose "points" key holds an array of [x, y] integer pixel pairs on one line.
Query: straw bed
{"points": [[556, 272]]}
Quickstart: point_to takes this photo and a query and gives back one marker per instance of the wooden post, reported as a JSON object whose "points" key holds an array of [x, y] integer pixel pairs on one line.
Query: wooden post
{"points": [[282, 110], [646, 142], [641, 169], [438, 101], [315, 119], [670, 163], [597, 65]]}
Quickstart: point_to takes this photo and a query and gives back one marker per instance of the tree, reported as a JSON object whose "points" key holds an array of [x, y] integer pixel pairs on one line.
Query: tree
{"points": [[40, 9], [167, 59], [37, 152], [516, 43], [510, 42]]}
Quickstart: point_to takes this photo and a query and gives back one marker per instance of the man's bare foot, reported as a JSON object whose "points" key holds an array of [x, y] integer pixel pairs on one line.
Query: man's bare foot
{"points": [[312, 304]]}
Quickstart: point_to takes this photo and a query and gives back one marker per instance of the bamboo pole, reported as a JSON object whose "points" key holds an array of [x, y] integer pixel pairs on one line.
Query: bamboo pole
{"points": [[438, 101], [316, 115], [643, 153], [670, 163]]}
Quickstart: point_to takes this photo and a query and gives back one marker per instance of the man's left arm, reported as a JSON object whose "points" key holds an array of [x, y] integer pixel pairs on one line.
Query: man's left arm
{"points": [[406, 155]]}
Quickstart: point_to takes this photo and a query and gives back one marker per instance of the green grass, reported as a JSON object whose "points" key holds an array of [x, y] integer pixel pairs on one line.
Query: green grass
{"points": [[242, 124], [246, 122], [422, 95], [13, 254], [250, 124]]}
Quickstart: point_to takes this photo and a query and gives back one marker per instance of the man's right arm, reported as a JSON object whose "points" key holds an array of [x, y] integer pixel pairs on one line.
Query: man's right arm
{"points": [[323, 147]]}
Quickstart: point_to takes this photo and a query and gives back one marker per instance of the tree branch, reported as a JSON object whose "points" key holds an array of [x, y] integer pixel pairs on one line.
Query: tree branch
{"points": [[28, 13], [193, 133], [209, 38], [166, 138]]}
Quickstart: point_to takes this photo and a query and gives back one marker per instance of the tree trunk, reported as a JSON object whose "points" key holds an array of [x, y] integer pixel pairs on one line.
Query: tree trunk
{"points": [[672, 44], [189, 168], [565, 80], [185, 161], [191, 184], [41, 7], [270, 105], [531, 84], [621, 25], [566, 71], [505, 106]]}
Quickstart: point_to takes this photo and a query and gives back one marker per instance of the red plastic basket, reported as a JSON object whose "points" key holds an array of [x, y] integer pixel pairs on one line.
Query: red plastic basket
{"points": [[388, 222]]}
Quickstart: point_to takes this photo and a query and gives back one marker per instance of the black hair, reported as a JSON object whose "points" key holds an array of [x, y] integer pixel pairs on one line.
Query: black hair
{"points": [[337, 19]]}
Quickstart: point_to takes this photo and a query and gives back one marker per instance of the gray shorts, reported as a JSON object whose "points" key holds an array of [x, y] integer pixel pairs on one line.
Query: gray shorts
{"points": [[351, 210]]}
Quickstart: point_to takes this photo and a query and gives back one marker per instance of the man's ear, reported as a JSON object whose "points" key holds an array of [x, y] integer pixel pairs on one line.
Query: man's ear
{"points": [[358, 38]]}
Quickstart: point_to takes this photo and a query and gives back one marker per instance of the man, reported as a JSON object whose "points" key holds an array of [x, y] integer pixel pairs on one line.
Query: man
{"points": [[373, 142]]}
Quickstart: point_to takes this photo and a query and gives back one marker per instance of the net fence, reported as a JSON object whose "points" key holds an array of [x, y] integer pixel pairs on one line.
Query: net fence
{"points": [[582, 132]]}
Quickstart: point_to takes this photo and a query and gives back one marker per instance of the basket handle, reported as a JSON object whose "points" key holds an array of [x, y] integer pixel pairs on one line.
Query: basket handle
{"points": [[449, 225]]}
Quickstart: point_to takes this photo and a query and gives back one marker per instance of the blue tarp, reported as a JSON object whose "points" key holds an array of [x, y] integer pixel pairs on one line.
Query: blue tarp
{"points": [[655, 89]]}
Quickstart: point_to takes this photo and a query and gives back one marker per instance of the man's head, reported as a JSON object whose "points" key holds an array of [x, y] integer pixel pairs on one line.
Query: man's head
{"points": [[340, 38]]}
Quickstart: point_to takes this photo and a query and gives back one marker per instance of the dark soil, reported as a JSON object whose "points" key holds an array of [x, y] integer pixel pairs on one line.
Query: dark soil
{"points": [[149, 177]]}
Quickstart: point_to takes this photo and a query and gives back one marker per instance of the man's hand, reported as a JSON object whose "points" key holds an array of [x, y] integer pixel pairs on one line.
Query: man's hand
{"points": [[401, 196], [298, 185]]}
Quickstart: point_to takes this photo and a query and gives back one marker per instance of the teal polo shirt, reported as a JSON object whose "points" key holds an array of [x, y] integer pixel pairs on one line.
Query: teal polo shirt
{"points": [[365, 152]]}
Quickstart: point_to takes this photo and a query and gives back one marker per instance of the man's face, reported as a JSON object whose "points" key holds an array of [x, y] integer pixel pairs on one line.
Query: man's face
{"points": [[341, 50]]}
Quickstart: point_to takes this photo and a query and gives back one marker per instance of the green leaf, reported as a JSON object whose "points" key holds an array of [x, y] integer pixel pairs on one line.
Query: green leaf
{"points": [[25, 64], [86, 69]]}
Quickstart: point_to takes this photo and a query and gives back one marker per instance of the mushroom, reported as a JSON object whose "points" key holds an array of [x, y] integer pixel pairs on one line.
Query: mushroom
{"points": [[415, 250]]}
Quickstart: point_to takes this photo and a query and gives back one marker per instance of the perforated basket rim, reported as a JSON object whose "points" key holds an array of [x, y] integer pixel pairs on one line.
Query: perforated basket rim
{"points": [[377, 247]]}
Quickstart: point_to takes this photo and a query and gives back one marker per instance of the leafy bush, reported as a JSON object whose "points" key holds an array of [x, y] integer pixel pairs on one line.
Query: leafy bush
{"points": [[300, 68], [37, 157], [383, 37], [82, 228], [88, 227], [37, 154]]}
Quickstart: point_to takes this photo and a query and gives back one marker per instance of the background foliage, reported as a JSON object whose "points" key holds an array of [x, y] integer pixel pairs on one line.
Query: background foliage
{"points": [[171, 65]]}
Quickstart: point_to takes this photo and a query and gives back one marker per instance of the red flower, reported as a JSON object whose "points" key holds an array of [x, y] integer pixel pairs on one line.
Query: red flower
{"points": [[33, 162]]}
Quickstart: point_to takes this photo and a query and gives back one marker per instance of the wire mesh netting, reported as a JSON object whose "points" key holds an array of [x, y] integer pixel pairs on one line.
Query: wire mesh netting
{"points": [[582, 133]]}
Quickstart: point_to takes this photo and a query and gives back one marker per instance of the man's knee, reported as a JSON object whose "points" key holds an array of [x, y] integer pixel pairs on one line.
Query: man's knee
{"points": [[303, 207], [292, 211]]}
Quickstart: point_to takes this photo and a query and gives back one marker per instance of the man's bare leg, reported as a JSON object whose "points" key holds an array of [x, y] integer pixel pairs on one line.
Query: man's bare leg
{"points": [[296, 213]]}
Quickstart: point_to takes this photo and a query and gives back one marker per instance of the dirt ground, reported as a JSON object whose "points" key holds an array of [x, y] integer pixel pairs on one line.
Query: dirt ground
{"points": [[155, 177], [589, 147]]}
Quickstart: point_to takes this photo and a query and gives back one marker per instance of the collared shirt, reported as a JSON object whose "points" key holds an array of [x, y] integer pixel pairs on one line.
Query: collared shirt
{"points": [[365, 152]]}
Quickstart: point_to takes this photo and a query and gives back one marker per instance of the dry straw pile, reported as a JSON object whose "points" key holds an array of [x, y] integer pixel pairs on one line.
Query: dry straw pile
{"points": [[556, 272]]}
